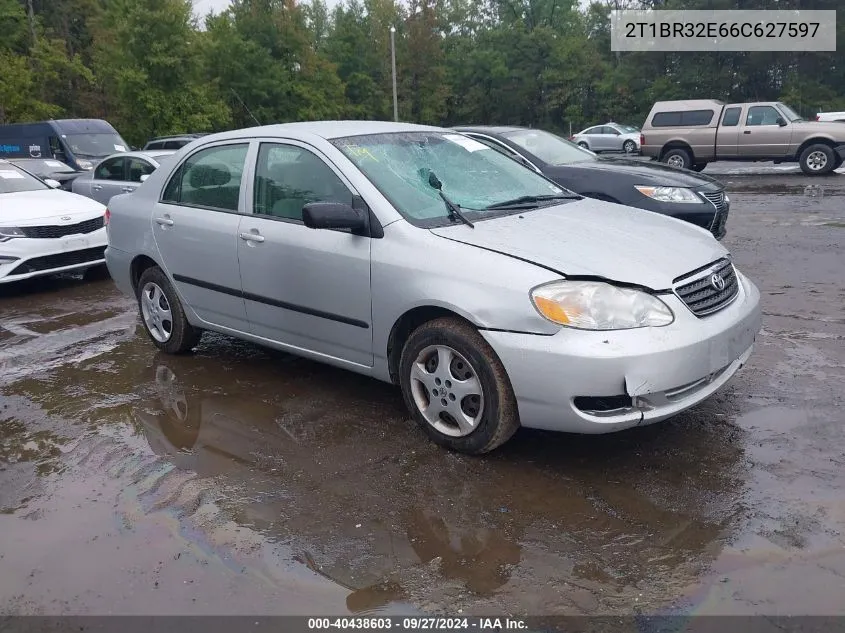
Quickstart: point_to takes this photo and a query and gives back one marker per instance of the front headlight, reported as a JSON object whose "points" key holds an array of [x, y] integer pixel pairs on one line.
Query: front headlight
{"points": [[84, 164], [594, 305], [669, 194], [9, 232]]}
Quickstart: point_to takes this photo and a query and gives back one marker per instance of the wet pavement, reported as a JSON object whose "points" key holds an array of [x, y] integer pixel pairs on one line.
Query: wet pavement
{"points": [[244, 481]]}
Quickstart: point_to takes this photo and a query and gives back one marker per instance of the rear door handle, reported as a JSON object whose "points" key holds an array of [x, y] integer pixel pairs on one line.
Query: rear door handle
{"points": [[96, 187], [251, 237], [164, 221], [747, 132]]}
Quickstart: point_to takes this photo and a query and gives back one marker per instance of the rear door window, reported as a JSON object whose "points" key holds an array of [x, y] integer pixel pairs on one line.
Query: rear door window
{"points": [[731, 117], [211, 178], [111, 169]]}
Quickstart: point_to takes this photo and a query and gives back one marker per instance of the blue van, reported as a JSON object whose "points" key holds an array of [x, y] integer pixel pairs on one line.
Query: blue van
{"points": [[80, 143]]}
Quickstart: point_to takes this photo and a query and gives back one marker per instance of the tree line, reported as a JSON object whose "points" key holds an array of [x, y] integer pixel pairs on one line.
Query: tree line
{"points": [[151, 67]]}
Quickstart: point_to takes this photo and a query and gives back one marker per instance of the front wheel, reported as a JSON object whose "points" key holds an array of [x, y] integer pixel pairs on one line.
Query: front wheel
{"points": [[456, 387], [629, 147], [162, 314], [817, 159]]}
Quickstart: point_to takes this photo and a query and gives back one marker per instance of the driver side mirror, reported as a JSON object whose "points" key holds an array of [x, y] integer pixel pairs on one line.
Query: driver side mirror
{"points": [[53, 184], [144, 177], [333, 215], [781, 121]]}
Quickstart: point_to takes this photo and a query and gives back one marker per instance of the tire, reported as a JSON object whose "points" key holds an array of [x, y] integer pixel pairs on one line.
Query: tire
{"points": [[98, 272], [817, 159], [583, 144], [180, 336], [678, 157], [699, 166], [496, 417], [629, 147]]}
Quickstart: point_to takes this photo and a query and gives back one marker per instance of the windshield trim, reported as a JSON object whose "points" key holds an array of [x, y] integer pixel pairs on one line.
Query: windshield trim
{"points": [[474, 215]]}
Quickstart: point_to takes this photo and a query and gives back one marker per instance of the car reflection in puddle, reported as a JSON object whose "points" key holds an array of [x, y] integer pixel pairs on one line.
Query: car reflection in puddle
{"points": [[362, 499]]}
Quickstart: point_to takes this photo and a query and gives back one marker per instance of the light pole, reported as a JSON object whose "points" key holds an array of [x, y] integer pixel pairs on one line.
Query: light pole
{"points": [[393, 65]]}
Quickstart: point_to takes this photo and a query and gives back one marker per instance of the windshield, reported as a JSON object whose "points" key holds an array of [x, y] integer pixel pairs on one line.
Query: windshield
{"points": [[549, 148], [13, 179], [791, 115], [95, 145], [473, 175], [41, 167]]}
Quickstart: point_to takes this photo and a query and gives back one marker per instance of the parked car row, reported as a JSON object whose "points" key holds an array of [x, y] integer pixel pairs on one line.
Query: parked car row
{"points": [[442, 261]]}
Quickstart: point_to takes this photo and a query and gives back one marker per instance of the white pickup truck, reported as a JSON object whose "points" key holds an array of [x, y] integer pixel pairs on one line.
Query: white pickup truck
{"points": [[839, 117]]}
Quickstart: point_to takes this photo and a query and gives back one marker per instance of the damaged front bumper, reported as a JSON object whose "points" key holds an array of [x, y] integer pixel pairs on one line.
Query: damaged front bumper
{"points": [[599, 382]]}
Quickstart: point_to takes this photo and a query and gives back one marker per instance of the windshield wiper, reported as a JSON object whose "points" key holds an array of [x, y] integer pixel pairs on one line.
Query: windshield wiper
{"points": [[531, 201], [454, 209]]}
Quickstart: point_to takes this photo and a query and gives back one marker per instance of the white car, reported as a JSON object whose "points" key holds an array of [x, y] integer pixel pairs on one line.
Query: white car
{"points": [[839, 117], [610, 137], [44, 230]]}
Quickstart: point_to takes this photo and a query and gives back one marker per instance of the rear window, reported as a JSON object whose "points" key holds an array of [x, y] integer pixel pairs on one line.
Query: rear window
{"points": [[684, 118]]}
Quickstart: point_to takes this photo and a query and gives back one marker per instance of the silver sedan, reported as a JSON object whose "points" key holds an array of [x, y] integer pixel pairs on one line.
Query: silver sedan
{"points": [[610, 137], [119, 173], [491, 296]]}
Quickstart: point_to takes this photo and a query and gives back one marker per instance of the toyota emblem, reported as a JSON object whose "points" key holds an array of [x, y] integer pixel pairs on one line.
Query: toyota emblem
{"points": [[717, 281]]}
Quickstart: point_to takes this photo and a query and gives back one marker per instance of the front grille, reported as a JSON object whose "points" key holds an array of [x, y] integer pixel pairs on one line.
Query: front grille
{"points": [[702, 296], [717, 199], [49, 262], [55, 230]]}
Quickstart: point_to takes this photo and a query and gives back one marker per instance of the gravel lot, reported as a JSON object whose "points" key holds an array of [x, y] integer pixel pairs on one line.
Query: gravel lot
{"points": [[240, 480]]}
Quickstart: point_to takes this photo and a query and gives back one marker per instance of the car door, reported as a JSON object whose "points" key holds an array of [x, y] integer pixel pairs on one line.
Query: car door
{"points": [[195, 225], [728, 132], [108, 179], [613, 138], [306, 288], [761, 136]]}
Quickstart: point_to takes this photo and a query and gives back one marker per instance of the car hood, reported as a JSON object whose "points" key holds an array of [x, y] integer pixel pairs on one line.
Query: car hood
{"points": [[833, 129], [26, 208], [648, 172], [591, 238]]}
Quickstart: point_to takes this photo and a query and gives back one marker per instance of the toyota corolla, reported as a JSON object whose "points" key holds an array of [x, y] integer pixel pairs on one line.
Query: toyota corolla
{"points": [[493, 297]]}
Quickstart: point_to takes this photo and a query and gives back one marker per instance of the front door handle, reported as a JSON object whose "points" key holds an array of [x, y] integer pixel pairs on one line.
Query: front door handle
{"points": [[251, 237], [164, 221], [96, 187], [747, 132]]}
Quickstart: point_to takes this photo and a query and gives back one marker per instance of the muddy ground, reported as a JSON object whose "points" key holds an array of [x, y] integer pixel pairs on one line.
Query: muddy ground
{"points": [[239, 480]]}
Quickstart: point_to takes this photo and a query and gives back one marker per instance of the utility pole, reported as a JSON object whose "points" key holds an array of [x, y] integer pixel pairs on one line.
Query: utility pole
{"points": [[393, 65]]}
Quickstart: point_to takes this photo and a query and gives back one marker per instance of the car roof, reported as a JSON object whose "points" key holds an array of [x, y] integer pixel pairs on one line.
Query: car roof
{"points": [[142, 153], [324, 129], [178, 137], [490, 129]]}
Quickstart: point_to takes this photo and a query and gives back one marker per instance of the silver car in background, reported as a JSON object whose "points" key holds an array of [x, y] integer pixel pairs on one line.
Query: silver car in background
{"points": [[119, 173], [421, 257], [610, 137]]}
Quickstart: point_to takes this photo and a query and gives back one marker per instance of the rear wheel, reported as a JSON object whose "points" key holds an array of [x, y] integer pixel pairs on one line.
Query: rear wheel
{"points": [[817, 159], [456, 387], [162, 314], [678, 157], [699, 166], [583, 144]]}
